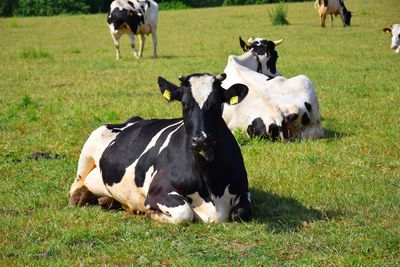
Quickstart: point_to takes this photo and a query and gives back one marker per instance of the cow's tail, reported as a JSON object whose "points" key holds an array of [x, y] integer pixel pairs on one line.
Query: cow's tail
{"points": [[316, 4]]}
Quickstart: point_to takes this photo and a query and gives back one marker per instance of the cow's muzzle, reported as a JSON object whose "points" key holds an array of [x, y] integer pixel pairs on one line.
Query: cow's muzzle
{"points": [[394, 46], [203, 145]]}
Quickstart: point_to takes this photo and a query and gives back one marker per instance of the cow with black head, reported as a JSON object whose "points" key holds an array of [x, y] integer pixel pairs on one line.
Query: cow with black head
{"points": [[174, 170]]}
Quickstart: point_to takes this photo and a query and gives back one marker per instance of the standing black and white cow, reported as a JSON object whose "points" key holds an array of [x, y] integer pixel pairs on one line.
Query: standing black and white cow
{"points": [[133, 17], [394, 30], [176, 170]]}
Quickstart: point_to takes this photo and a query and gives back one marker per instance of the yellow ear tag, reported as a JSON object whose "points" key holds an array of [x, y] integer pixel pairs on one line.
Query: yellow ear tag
{"points": [[234, 100], [167, 94]]}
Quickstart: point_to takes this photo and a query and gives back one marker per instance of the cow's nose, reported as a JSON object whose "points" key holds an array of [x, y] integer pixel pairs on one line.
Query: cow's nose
{"points": [[393, 46], [198, 140]]}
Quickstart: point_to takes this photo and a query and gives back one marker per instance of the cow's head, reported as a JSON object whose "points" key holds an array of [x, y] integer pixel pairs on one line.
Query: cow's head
{"points": [[346, 16], [265, 51], [134, 18], [394, 30], [202, 96]]}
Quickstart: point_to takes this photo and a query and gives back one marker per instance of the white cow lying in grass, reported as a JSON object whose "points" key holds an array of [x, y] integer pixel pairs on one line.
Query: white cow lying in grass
{"points": [[275, 107], [394, 30], [133, 17]]}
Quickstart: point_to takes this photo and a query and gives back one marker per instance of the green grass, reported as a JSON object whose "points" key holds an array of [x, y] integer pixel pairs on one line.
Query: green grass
{"points": [[331, 202]]}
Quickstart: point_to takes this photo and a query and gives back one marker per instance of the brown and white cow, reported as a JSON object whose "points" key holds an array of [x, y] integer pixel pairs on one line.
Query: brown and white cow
{"points": [[133, 17], [394, 30], [275, 107], [333, 7]]}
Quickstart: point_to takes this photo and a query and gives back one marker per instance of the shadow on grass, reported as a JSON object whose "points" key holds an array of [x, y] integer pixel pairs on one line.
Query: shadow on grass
{"points": [[285, 214], [331, 134]]}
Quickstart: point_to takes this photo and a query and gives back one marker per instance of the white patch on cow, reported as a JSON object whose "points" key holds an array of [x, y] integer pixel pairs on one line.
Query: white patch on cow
{"points": [[148, 178], [166, 142], [208, 212], [395, 37], [94, 182], [201, 88], [178, 214]]}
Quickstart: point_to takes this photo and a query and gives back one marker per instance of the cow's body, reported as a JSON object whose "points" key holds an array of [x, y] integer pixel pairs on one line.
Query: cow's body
{"points": [[333, 7], [159, 167], [275, 106], [394, 30], [133, 17]]}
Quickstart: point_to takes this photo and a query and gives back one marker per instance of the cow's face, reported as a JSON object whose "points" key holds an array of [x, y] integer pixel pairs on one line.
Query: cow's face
{"points": [[201, 96], [394, 30], [265, 50], [347, 17]]}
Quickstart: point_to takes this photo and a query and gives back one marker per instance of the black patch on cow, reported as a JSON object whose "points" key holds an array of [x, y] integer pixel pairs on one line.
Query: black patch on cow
{"points": [[127, 147], [273, 130], [308, 106], [147, 160], [292, 117], [121, 17], [305, 119], [271, 62], [257, 128], [325, 2]]}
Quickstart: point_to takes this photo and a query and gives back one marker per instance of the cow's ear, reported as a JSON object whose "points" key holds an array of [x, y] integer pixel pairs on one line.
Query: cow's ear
{"points": [[235, 93], [243, 44], [387, 30], [169, 90]]}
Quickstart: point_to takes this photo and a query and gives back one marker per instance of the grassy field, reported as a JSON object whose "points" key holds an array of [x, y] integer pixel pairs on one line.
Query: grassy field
{"points": [[331, 202]]}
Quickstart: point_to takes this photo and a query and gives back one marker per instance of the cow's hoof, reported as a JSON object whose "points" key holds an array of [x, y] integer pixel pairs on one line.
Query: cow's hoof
{"points": [[108, 203], [75, 197], [87, 197]]}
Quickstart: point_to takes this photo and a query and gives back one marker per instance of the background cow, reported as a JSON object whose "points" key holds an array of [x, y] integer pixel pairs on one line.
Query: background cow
{"points": [[275, 107], [394, 30], [332, 7], [175, 170], [133, 17]]}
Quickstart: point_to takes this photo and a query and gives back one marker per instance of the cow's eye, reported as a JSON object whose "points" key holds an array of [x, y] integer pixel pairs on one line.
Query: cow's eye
{"points": [[185, 105]]}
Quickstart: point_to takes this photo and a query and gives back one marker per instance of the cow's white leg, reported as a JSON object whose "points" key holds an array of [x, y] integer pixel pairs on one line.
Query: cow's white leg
{"points": [[169, 207], [175, 215], [115, 38], [94, 183], [85, 166], [154, 35], [132, 39], [142, 40]]}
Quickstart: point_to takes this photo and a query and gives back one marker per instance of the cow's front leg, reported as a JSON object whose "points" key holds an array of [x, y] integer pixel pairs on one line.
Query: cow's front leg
{"points": [[115, 38], [322, 18], [242, 210], [142, 41], [169, 207], [132, 39]]}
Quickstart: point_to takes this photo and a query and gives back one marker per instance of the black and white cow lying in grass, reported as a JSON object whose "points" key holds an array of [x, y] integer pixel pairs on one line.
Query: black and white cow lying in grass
{"points": [[394, 30], [175, 170], [275, 107], [133, 17]]}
